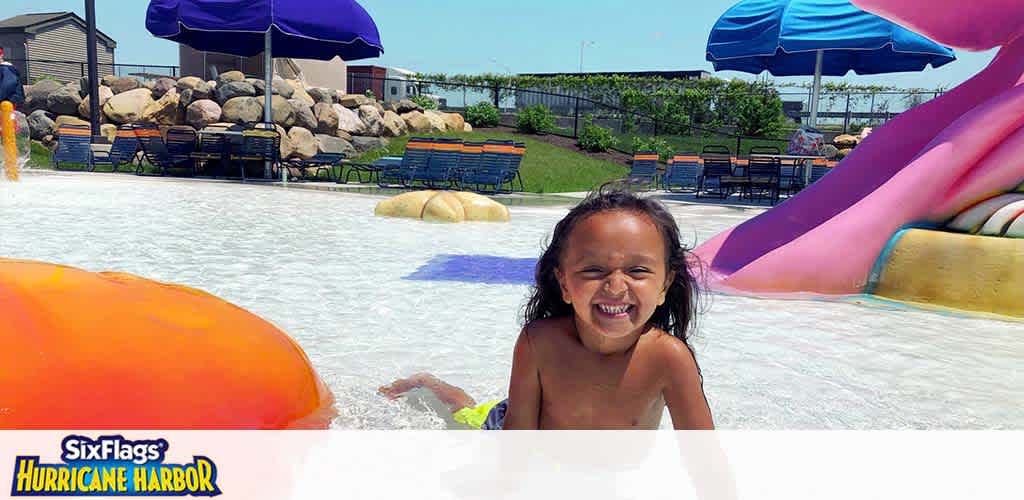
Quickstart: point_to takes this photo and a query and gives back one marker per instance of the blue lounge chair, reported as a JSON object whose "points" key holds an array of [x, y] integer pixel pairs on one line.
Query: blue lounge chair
{"points": [[73, 146], [157, 152], [258, 145], [519, 150], [442, 166], [123, 151], [494, 168], [417, 154], [644, 169], [682, 173]]}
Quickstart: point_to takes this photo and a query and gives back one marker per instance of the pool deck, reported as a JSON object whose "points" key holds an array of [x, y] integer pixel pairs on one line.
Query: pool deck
{"points": [[512, 199]]}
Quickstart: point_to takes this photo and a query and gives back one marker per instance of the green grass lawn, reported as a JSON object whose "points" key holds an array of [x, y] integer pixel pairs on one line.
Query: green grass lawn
{"points": [[545, 168], [39, 157]]}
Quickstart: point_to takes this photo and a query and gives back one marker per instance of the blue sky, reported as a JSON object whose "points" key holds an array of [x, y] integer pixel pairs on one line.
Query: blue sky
{"points": [[524, 36]]}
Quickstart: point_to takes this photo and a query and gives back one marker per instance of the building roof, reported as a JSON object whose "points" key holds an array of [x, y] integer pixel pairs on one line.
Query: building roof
{"points": [[30, 23]]}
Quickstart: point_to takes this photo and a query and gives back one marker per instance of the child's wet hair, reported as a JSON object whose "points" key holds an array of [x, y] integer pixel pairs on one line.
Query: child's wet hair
{"points": [[675, 316]]}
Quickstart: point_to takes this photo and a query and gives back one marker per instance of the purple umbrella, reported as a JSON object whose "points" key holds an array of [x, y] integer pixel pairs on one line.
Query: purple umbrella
{"points": [[306, 29]]}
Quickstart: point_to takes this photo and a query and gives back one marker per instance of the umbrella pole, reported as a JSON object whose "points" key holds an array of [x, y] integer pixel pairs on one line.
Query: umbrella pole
{"points": [[268, 91], [815, 97]]}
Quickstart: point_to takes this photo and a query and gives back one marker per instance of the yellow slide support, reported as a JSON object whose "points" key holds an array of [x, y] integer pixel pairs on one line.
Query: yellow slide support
{"points": [[7, 134]]}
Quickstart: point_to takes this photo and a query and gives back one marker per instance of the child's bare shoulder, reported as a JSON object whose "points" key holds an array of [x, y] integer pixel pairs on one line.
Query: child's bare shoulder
{"points": [[667, 348]]}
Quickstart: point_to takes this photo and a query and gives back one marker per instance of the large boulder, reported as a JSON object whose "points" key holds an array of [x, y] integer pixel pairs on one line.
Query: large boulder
{"points": [[371, 117], [326, 118], [162, 85], [188, 82], [164, 111], [69, 120], [124, 84], [242, 110], [417, 122], [201, 113], [348, 120], [287, 149], [354, 101], [282, 111], [105, 95], [321, 95], [454, 121], [330, 144], [230, 90], [406, 106], [230, 76], [466, 127], [108, 79], [437, 121], [364, 144], [393, 124], [127, 107], [40, 124], [36, 95], [303, 142], [846, 141], [304, 115], [280, 87], [300, 92], [63, 101], [201, 90]]}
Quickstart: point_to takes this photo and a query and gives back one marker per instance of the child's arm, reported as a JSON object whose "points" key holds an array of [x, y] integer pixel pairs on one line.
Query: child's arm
{"points": [[524, 388], [684, 394]]}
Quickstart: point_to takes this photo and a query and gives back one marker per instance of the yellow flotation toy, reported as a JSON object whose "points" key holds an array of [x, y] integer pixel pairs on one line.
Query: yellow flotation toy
{"points": [[443, 206], [84, 350]]}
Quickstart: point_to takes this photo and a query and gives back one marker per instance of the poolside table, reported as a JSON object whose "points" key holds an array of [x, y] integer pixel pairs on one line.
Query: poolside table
{"points": [[796, 159]]}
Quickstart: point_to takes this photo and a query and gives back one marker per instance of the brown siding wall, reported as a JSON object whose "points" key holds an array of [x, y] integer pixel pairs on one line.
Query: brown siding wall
{"points": [[14, 51], [65, 41]]}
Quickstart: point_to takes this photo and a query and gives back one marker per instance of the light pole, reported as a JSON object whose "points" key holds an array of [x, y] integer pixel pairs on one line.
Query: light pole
{"points": [[584, 44], [94, 77]]}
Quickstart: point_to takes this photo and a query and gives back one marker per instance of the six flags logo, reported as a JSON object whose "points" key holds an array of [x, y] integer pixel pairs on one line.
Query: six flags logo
{"points": [[113, 466]]}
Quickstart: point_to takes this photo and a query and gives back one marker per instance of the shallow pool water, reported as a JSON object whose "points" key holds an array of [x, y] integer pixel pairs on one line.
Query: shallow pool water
{"points": [[323, 268]]}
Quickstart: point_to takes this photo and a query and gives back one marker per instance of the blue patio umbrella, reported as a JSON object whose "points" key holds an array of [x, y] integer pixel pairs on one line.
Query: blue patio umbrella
{"points": [[306, 29], [816, 37]]}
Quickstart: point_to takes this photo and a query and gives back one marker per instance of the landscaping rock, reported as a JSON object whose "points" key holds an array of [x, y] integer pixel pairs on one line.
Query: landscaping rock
{"points": [[287, 148], [202, 113], [242, 110], [843, 153], [466, 127], [281, 111], [63, 101], [353, 101], [69, 120], [230, 76], [364, 144], [331, 144], [341, 134], [230, 90], [845, 141], [161, 86], [393, 124], [201, 91], [40, 124], [36, 95], [348, 120], [406, 105], [391, 106], [147, 84], [454, 121], [127, 107], [321, 95], [300, 92], [108, 130], [105, 95], [124, 84], [372, 119], [417, 122], [49, 142], [164, 111], [108, 79], [437, 121], [829, 151], [326, 118], [304, 142], [304, 115], [281, 87], [188, 82]]}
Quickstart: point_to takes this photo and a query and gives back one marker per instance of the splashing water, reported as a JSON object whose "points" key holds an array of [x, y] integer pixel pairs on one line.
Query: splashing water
{"points": [[16, 141]]}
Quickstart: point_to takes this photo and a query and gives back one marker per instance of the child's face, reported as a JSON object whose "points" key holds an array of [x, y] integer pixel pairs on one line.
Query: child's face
{"points": [[613, 272]]}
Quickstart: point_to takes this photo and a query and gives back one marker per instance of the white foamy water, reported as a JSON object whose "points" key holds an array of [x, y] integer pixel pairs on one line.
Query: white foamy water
{"points": [[328, 272]]}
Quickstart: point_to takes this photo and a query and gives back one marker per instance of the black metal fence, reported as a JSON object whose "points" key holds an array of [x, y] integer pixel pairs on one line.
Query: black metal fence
{"points": [[33, 70]]}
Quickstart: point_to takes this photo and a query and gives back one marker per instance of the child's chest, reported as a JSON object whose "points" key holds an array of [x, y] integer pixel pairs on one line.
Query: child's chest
{"points": [[585, 393]]}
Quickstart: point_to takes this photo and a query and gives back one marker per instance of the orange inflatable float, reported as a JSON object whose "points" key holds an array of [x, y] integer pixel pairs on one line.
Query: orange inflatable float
{"points": [[83, 350]]}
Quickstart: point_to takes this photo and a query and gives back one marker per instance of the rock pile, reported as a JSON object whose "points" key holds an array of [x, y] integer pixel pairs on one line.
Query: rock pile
{"points": [[310, 120]]}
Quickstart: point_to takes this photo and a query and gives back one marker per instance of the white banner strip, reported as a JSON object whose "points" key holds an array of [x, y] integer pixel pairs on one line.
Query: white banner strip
{"points": [[588, 465]]}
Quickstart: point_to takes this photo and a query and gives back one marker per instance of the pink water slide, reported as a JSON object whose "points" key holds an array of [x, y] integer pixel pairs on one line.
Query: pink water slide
{"points": [[921, 168]]}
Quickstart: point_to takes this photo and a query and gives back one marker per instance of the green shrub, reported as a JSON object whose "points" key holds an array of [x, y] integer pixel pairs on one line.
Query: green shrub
{"points": [[424, 101], [483, 114], [369, 93], [535, 119], [760, 115], [642, 143], [595, 138]]}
